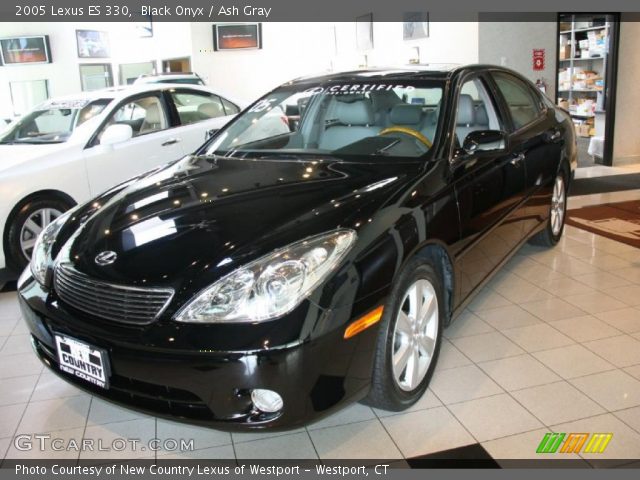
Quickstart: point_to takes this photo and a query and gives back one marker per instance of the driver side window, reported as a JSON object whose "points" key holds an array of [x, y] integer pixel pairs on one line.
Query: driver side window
{"points": [[144, 115], [475, 111]]}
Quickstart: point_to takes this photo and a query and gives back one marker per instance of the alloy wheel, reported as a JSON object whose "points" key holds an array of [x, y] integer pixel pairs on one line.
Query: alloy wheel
{"points": [[558, 200], [35, 223], [415, 334]]}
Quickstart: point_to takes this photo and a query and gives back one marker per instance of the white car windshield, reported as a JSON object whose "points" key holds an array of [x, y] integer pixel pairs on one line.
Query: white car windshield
{"points": [[397, 119], [52, 122]]}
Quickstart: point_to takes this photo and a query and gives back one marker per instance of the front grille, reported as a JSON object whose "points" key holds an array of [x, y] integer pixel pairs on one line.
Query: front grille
{"points": [[118, 303]]}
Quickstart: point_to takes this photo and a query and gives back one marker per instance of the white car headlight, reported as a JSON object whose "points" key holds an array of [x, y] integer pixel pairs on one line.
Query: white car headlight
{"points": [[271, 286], [41, 256]]}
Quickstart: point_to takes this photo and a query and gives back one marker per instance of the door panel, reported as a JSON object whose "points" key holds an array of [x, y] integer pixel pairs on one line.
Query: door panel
{"points": [[153, 143], [109, 165], [537, 138], [196, 134], [489, 189]]}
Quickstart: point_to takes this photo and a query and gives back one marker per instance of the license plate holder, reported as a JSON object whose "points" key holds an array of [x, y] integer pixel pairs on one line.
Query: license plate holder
{"points": [[83, 361]]}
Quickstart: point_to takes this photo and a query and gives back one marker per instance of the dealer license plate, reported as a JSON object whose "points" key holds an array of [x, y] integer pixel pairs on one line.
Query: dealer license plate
{"points": [[82, 360]]}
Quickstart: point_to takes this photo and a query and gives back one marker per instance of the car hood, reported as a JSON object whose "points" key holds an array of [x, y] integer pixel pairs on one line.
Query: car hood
{"points": [[17, 154], [192, 222]]}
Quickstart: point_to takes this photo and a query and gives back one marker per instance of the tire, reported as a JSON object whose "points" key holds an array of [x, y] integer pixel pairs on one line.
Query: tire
{"points": [[552, 232], [22, 232], [397, 390]]}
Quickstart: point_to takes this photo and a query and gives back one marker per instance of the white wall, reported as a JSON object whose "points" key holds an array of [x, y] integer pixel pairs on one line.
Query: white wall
{"points": [[292, 50], [511, 44], [169, 40], [61, 79], [626, 138], [289, 50], [448, 42]]}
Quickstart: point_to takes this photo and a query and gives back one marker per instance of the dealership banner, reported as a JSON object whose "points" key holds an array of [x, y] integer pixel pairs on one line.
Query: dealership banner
{"points": [[293, 10], [289, 470]]}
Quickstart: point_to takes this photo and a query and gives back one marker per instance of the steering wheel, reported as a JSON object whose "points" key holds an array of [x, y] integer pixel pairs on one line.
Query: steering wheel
{"points": [[408, 131]]}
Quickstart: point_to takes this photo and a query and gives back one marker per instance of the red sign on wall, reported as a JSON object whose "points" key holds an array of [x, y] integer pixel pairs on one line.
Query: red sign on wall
{"points": [[538, 58]]}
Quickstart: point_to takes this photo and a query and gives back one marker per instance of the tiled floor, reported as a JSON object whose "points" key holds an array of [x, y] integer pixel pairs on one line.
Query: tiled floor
{"points": [[551, 344]]}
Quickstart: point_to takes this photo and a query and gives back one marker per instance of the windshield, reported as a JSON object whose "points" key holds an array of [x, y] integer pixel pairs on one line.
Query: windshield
{"points": [[360, 118], [52, 122]]}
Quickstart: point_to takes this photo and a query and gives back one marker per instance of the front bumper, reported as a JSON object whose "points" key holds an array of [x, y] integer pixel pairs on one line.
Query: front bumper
{"points": [[315, 375]]}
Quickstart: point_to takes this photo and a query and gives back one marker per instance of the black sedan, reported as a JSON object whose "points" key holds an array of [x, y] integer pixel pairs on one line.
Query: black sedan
{"points": [[309, 255]]}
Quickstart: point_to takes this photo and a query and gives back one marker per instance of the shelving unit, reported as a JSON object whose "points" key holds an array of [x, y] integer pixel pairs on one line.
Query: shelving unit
{"points": [[585, 73]]}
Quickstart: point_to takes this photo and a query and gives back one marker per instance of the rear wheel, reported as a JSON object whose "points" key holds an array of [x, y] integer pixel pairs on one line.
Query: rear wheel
{"points": [[26, 225], [555, 225], [409, 339]]}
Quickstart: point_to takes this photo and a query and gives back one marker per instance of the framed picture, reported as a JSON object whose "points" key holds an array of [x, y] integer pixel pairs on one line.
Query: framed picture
{"points": [[415, 25], [237, 36], [25, 50], [92, 44], [364, 32]]}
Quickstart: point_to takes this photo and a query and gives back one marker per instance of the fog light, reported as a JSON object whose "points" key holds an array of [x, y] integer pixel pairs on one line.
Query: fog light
{"points": [[266, 401]]}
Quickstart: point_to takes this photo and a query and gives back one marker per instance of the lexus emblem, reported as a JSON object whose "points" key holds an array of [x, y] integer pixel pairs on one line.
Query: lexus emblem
{"points": [[106, 258]]}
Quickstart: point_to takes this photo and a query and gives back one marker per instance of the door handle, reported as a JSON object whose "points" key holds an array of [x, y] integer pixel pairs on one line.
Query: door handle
{"points": [[517, 159], [171, 141]]}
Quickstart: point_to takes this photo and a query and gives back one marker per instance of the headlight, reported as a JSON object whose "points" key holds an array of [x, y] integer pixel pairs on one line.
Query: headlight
{"points": [[41, 257], [272, 285]]}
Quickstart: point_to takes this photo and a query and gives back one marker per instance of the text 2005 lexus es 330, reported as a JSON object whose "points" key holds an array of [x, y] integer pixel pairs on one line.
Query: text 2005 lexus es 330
{"points": [[309, 255]]}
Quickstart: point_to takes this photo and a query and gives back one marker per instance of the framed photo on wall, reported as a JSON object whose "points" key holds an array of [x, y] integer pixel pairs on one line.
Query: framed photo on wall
{"points": [[415, 25], [364, 32], [92, 44], [237, 36], [25, 50]]}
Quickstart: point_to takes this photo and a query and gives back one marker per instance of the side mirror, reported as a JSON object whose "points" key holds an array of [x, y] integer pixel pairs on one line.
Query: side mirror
{"points": [[116, 134], [485, 141]]}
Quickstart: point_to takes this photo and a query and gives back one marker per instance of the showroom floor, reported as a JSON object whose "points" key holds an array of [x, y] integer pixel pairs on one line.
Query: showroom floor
{"points": [[519, 362]]}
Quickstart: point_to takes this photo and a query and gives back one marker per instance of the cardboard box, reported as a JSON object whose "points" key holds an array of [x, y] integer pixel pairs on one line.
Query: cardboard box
{"points": [[564, 104], [565, 52], [583, 130]]}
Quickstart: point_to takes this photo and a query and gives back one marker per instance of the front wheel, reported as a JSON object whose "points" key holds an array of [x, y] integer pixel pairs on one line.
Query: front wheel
{"points": [[409, 339], [552, 232], [26, 225]]}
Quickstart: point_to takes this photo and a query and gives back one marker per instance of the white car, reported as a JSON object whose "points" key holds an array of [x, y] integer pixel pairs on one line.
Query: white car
{"points": [[68, 150]]}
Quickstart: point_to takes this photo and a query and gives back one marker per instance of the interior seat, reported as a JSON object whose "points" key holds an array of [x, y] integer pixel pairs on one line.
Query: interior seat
{"points": [[406, 115], [355, 122], [153, 119], [466, 117], [210, 110], [383, 102], [481, 118]]}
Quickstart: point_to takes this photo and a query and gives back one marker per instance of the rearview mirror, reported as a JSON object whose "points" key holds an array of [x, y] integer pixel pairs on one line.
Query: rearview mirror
{"points": [[485, 141], [116, 134]]}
